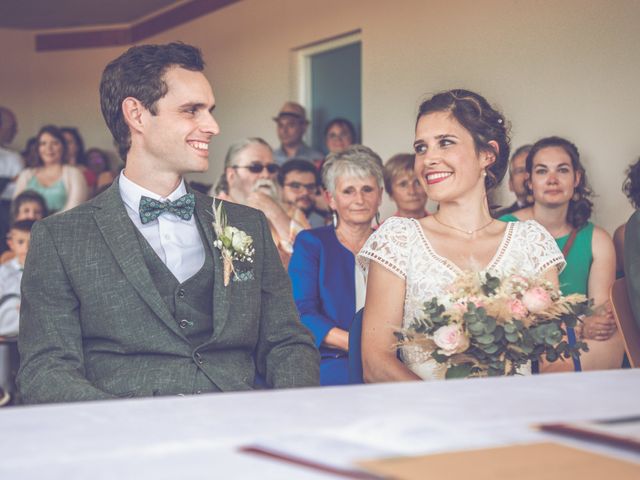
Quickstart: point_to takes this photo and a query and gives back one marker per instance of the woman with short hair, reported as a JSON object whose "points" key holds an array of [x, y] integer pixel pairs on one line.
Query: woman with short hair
{"points": [[402, 185], [328, 287]]}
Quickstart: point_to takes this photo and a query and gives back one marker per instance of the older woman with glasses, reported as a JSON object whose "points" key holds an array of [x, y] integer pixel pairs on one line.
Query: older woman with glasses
{"points": [[328, 288], [249, 178]]}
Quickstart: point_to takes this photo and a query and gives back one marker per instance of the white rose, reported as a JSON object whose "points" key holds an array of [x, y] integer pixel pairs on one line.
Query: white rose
{"points": [[451, 339], [239, 241]]}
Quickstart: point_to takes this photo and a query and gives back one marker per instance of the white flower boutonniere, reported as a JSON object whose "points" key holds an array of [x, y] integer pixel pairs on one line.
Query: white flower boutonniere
{"points": [[234, 244]]}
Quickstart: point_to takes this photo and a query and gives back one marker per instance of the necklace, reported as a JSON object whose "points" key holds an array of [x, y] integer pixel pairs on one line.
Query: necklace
{"points": [[468, 232]]}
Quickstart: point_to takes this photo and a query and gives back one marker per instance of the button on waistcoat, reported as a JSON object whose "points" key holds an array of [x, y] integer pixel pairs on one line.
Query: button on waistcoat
{"points": [[190, 302]]}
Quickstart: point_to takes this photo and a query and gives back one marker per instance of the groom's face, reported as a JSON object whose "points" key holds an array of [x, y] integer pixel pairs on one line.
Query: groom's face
{"points": [[178, 135]]}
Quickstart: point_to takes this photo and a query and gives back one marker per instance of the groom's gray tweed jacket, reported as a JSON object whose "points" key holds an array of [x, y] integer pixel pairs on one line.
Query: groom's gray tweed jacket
{"points": [[93, 325]]}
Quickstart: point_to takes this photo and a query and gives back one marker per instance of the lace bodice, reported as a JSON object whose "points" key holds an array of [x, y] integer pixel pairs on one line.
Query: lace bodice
{"points": [[401, 246]]}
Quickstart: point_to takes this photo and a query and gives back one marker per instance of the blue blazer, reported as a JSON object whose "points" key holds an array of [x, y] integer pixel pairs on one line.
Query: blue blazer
{"points": [[322, 272]]}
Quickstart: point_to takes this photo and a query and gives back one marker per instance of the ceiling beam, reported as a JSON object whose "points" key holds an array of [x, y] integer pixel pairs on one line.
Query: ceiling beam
{"points": [[110, 37]]}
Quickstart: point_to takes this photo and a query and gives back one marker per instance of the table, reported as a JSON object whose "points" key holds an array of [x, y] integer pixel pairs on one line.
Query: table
{"points": [[198, 436]]}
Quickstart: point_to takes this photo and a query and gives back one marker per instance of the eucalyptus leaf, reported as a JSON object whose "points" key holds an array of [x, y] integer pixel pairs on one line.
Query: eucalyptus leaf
{"points": [[459, 371], [485, 339]]}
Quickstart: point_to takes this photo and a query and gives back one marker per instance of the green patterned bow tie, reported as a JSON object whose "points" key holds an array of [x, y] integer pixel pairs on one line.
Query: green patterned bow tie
{"points": [[151, 209]]}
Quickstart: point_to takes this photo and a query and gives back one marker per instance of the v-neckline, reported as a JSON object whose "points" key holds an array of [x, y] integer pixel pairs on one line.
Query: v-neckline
{"points": [[497, 256]]}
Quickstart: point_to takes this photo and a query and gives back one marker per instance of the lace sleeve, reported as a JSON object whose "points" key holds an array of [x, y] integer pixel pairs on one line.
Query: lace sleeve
{"points": [[388, 246], [543, 249]]}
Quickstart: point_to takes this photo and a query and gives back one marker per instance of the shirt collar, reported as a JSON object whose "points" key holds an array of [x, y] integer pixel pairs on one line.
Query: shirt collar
{"points": [[131, 192]]}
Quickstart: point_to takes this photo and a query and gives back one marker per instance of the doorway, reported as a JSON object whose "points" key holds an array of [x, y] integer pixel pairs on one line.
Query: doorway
{"points": [[331, 84]]}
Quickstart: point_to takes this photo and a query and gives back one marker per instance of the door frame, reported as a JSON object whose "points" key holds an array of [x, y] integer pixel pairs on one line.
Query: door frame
{"points": [[302, 64]]}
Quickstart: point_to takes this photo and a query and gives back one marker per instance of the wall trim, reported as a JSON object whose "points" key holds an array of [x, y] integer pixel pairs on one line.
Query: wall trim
{"points": [[116, 36]]}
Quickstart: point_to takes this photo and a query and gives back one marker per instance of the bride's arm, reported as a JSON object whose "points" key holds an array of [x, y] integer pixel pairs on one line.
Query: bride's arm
{"points": [[382, 316]]}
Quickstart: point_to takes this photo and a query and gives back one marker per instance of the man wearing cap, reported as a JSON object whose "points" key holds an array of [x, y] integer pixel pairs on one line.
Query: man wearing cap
{"points": [[292, 124]]}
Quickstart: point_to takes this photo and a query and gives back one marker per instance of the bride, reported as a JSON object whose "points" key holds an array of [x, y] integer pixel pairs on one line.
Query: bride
{"points": [[462, 150]]}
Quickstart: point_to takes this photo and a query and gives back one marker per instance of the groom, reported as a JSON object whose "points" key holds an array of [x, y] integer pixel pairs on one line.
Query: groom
{"points": [[125, 295]]}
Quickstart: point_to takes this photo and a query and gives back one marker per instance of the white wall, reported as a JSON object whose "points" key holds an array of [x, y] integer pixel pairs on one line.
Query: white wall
{"points": [[568, 68]]}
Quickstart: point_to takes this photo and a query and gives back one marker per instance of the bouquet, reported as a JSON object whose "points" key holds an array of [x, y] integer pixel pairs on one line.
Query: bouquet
{"points": [[492, 326]]}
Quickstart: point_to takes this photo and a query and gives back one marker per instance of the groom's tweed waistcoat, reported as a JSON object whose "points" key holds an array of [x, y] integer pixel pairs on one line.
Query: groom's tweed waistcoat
{"points": [[190, 302]]}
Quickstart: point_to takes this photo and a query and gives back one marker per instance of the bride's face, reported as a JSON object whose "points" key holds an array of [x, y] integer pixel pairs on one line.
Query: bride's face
{"points": [[447, 163]]}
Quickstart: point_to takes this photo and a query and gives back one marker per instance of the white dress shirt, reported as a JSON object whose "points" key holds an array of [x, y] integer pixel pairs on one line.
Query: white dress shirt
{"points": [[176, 241], [10, 278]]}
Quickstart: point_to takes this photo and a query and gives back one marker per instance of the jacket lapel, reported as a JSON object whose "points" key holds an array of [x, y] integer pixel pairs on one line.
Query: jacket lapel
{"points": [[204, 213], [119, 234]]}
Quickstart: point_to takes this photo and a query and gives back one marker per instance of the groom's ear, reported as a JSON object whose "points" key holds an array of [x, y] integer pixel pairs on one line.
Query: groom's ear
{"points": [[132, 111]]}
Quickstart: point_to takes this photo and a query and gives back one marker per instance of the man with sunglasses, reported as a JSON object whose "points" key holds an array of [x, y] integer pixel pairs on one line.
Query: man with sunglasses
{"points": [[300, 184], [250, 179]]}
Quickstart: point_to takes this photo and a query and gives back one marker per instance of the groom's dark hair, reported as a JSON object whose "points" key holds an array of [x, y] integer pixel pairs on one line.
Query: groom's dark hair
{"points": [[139, 73]]}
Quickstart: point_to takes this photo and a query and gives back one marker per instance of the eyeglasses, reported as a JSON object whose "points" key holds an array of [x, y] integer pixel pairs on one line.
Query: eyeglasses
{"points": [[339, 136], [258, 167], [309, 187]]}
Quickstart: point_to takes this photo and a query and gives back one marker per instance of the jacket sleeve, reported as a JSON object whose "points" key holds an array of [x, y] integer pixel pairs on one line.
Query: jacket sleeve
{"points": [[304, 271], [285, 354], [50, 339], [632, 263]]}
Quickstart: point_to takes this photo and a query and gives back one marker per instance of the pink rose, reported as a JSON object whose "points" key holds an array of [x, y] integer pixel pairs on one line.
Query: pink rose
{"points": [[517, 309], [536, 299], [451, 339]]}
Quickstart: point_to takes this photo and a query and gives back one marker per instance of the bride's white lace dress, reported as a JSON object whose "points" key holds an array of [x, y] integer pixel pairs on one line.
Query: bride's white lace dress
{"points": [[401, 246]]}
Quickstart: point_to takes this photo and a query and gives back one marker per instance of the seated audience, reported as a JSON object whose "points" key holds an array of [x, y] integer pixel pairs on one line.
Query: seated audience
{"points": [[339, 134], [631, 188], [561, 203], [517, 181], [292, 124], [10, 166], [62, 186], [76, 155], [300, 183], [11, 276], [28, 205], [249, 179], [98, 162], [632, 262], [403, 186], [328, 288]]}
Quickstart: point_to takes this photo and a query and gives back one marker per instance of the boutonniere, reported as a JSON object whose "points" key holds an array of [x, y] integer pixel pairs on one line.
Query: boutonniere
{"points": [[235, 245]]}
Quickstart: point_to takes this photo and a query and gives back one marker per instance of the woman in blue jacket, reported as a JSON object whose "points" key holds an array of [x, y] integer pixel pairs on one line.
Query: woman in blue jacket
{"points": [[328, 287]]}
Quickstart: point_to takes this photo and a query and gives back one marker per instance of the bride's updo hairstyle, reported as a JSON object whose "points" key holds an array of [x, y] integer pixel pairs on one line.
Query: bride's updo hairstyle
{"points": [[580, 205], [481, 120]]}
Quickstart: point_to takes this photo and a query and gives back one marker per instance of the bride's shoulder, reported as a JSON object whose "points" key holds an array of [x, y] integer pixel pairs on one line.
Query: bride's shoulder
{"points": [[397, 226]]}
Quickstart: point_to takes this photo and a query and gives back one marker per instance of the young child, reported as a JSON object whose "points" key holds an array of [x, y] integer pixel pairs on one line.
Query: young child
{"points": [[29, 205], [11, 275]]}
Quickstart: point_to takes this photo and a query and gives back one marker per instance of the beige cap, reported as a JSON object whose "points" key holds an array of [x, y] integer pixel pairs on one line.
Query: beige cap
{"points": [[292, 109]]}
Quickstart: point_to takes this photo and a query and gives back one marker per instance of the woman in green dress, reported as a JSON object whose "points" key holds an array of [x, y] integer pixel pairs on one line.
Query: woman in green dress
{"points": [[561, 203]]}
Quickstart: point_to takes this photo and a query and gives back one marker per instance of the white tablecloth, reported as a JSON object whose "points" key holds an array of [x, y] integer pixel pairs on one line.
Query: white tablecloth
{"points": [[197, 437]]}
